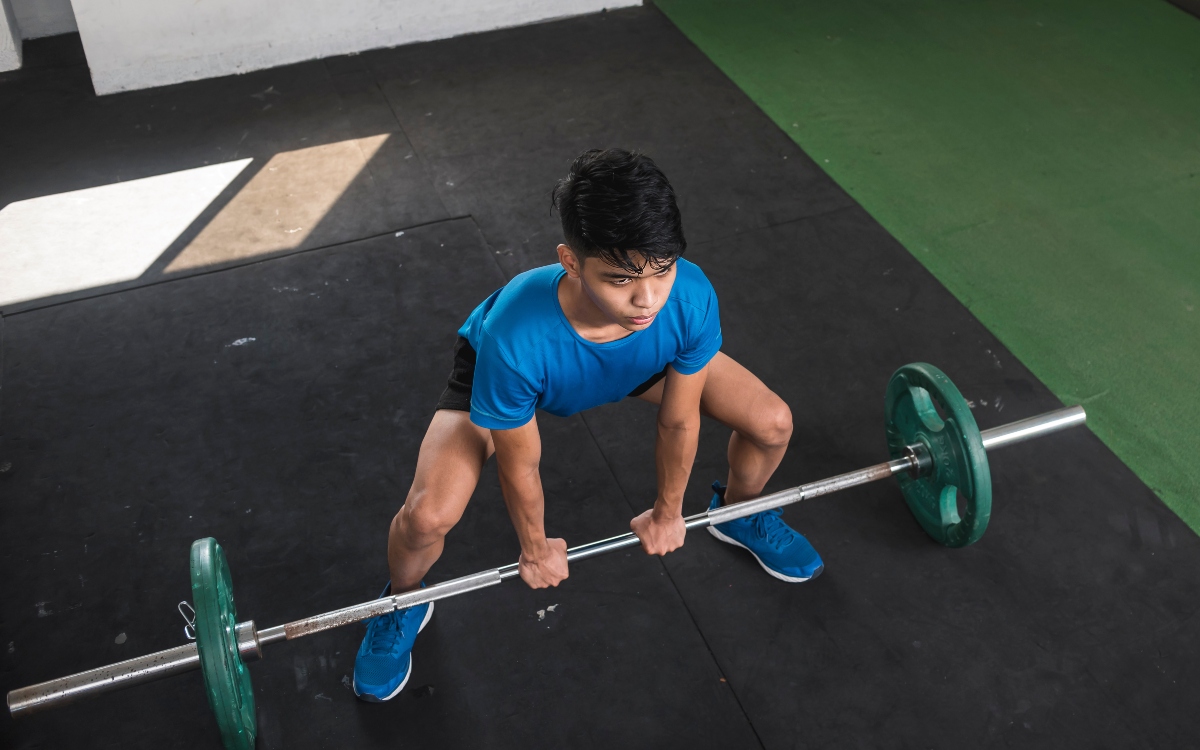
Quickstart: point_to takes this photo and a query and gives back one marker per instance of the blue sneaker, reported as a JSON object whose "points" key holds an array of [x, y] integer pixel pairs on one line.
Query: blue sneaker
{"points": [[779, 550], [384, 661]]}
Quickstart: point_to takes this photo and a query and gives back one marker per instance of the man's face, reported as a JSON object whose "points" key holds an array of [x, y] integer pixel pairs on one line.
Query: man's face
{"points": [[629, 299]]}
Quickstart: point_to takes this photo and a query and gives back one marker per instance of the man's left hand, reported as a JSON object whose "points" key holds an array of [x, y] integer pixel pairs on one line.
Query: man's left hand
{"points": [[659, 535]]}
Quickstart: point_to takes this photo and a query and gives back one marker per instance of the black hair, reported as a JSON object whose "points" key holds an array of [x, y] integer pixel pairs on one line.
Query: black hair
{"points": [[614, 202]]}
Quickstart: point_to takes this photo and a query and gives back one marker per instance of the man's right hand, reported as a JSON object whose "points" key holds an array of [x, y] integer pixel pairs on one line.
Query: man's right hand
{"points": [[546, 566]]}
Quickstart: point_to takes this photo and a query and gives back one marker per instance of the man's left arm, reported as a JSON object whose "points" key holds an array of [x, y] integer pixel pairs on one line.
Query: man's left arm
{"points": [[661, 529]]}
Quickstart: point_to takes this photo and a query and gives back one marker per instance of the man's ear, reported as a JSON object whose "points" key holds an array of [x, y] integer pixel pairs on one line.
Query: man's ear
{"points": [[570, 261]]}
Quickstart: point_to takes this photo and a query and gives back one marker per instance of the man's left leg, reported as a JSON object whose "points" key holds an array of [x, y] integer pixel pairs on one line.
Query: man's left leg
{"points": [[762, 426]]}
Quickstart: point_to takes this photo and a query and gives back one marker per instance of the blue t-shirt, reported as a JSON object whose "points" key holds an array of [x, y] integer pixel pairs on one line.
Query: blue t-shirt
{"points": [[528, 356]]}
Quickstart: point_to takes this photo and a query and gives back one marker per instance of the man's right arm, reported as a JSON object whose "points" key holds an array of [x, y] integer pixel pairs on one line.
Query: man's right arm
{"points": [[543, 561]]}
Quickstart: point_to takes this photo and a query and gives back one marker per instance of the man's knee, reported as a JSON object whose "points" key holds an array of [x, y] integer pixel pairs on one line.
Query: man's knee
{"points": [[422, 521], [774, 428]]}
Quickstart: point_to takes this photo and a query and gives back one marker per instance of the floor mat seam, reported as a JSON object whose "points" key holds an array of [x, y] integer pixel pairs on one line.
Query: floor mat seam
{"points": [[416, 152], [235, 266], [683, 600], [777, 224]]}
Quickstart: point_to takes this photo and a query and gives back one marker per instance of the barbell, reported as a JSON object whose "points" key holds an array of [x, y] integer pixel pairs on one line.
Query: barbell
{"points": [[937, 453]]}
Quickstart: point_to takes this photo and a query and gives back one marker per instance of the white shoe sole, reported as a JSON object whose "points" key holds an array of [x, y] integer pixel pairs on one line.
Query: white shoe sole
{"points": [[772, 573], [371, 698]]}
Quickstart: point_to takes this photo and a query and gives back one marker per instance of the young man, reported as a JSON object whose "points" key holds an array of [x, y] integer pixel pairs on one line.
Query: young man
{"points": [[621, 314]]}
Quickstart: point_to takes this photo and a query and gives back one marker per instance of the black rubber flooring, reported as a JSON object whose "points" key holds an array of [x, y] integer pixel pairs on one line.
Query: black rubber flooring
{"points": [[132, 423]]}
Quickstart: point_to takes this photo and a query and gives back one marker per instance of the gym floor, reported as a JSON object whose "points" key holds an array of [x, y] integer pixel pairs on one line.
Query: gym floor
{"points": [[267, 381]]}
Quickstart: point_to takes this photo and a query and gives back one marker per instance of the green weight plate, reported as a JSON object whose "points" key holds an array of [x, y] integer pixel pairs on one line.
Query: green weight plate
{"points": [[959, 462], [226, 678]]}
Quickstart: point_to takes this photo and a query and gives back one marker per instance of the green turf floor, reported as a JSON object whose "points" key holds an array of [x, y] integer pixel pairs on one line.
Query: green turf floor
{"points": [[1042, 159]]}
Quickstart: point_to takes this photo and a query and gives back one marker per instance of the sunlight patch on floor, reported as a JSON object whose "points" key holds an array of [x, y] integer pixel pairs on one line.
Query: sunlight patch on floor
{"points": [[280, 206], [103, 235]]}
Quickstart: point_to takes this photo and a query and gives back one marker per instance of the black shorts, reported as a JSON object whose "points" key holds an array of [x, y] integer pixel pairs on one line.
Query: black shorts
{"points": [[457, 395]]}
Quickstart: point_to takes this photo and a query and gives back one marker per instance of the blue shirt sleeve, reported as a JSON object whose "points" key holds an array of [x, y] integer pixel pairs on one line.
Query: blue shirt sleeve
{"points": [[704, 336], [502, 397]]}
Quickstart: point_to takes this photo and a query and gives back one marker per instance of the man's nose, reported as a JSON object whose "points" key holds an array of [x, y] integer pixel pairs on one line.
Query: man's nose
{"points": [[644, 296]]}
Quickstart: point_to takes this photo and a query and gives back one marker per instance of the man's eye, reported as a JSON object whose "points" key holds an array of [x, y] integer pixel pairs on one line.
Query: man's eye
{"points": [[621, 282]]}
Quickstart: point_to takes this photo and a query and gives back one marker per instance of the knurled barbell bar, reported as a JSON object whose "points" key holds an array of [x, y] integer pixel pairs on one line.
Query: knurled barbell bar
{"points": [[938, 454]]}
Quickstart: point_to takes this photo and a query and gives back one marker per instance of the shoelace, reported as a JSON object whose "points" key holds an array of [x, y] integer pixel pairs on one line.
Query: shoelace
{"points": [[385, 632], [769, 524]]}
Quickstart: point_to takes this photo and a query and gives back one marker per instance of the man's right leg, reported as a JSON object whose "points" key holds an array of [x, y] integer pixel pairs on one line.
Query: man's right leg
{"points": [[762, 426], [448, 467]]}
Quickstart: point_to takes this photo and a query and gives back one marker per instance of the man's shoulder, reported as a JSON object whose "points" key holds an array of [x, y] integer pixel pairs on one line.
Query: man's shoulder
{"points": [[532, 277], [529, 299], [692, 287], [525, 312]]}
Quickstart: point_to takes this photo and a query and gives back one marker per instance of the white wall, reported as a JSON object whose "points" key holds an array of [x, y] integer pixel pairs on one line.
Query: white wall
{"points": [[132, 44], [38, 18], [10, 39]]}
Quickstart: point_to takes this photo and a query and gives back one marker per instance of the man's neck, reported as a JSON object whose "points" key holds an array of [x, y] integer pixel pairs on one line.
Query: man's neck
{"points": [[583, 315]]}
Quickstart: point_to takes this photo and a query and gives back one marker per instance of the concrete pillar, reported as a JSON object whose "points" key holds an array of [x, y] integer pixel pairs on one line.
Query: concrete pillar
{"points": [[39, 18], [10, 38]]}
